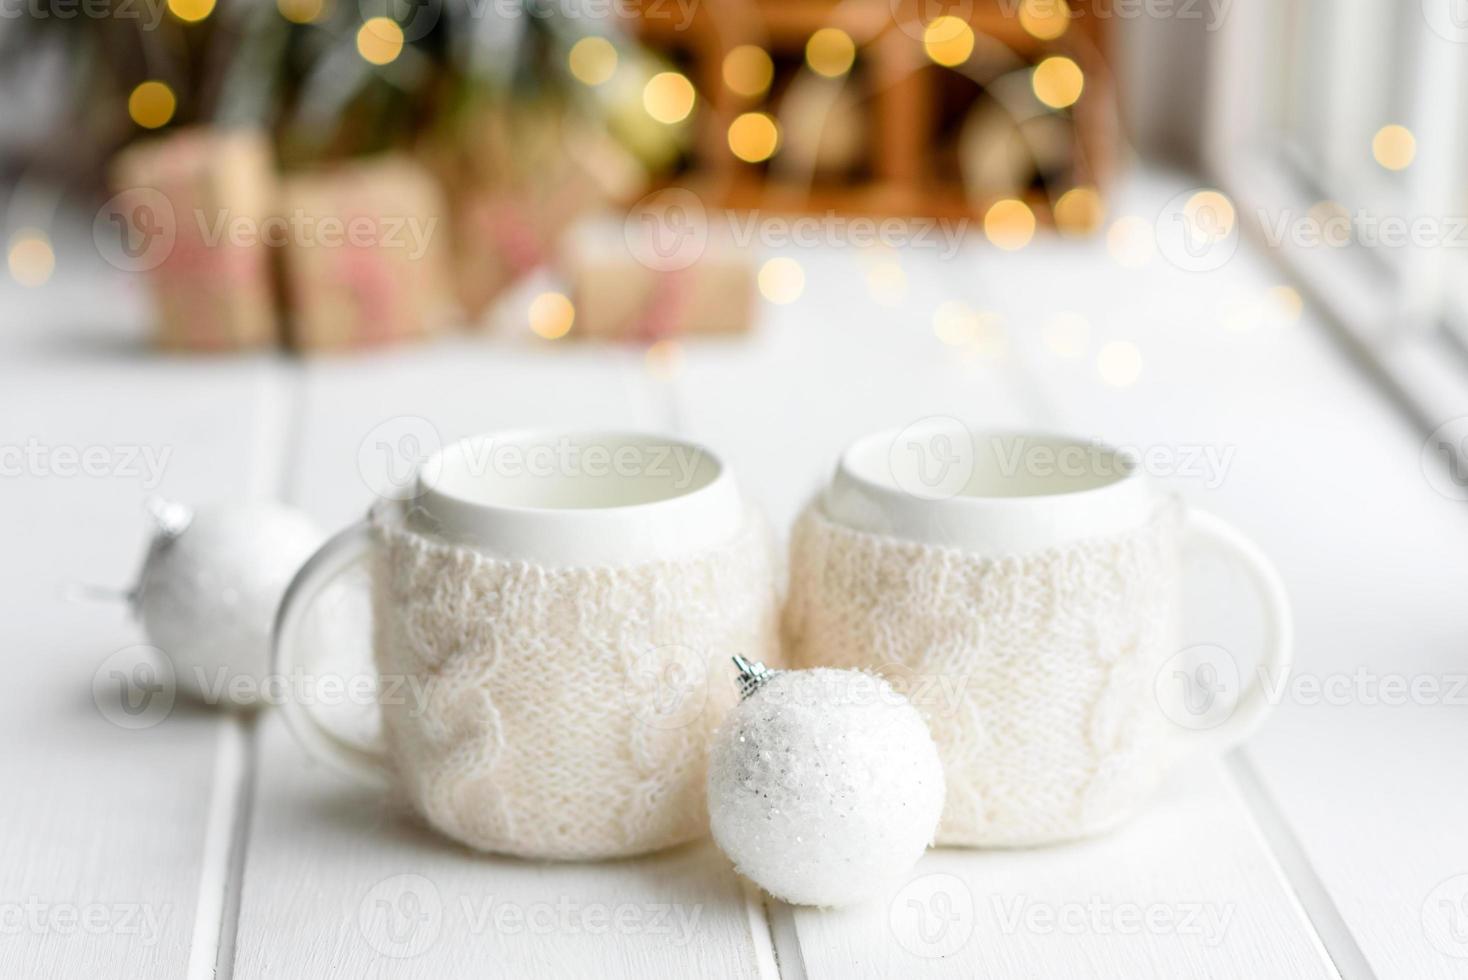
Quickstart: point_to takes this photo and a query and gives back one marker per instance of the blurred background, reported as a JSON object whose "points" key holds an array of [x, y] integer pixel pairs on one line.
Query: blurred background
{"points": [[325, 175]]}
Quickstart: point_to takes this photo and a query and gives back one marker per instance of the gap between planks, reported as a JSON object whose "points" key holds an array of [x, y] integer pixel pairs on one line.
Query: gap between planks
{"points": [[274, 455]]}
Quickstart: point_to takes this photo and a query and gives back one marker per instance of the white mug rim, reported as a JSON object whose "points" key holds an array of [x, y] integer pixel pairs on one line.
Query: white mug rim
{"points": [[987, 524]]}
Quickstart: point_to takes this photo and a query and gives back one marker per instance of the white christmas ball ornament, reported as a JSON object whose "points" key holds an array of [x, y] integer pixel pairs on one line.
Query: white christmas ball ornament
{"points": [[824, 785], [209, 588]]}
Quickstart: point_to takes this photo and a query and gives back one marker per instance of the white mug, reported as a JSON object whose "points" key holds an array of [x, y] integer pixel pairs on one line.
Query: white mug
{"points": [[973, 543], [526, 582]]}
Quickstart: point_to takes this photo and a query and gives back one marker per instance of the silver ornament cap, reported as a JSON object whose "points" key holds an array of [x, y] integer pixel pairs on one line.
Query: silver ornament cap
{"points": [[752, 675]]}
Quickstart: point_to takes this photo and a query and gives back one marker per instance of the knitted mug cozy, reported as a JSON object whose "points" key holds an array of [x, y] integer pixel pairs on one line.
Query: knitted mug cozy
{"points": [[567, 711], [1035, 672]]}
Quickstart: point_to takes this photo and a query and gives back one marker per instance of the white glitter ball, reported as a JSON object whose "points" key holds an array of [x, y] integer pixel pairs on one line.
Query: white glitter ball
{"points": [[208, 597], [824, 786]]}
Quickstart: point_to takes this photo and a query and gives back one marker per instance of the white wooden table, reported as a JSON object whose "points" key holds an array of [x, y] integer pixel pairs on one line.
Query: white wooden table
{"points": [[1335, 843]]}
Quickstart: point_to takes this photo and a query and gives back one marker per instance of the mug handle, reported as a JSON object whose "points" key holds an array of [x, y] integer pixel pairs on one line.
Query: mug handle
{"points": [[1215, 534], [337, 556]]}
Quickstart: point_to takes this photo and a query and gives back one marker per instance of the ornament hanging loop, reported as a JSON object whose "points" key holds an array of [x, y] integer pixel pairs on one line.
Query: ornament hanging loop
{"points": [[752, 675]]}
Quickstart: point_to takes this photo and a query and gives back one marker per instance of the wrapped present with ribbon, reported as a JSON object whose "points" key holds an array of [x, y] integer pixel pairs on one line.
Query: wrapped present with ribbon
{"points": [[518, 180], [191, 212], [647, 280], [364, 254]]}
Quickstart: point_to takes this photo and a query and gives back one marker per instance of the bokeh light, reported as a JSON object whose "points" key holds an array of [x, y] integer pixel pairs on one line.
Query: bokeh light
{"points": [[593, 60], [1394, 147], [948, 40], [1009, 224], [887, 282], [781, 280], [1131, 242], [1044, 20], [748, 70], [191, 11], [551, 315], [664, 359], [380, 41], [31, 259], [753, 136], [1079, 211], [830, 52], [301, 11], [151, 104], [668, 97], [1058, 82], [1210, 214]]}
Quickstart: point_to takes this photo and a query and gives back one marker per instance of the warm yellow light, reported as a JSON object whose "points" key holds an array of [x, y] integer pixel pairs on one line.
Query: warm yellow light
{"points": [[748, 70], [380, 40], [1044, 19], [301, 11], [1209, 214], [551, 315], [955, 323], [887, 282], [592, 60], [753, 136], [1066, 334], [1119, 363], [1009, 223], [664, 359], [781, 280], [830, 52], [948, 40], [31, 259], [151, 104], [190, 11], [1394, 147], [1079, 211], [1058, 81], [1288, 302], [668, 97], [1131, 242]]}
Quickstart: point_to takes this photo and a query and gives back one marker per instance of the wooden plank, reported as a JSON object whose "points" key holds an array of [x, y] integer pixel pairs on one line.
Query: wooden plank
{"points": [[833, 366], [336, 880], [109, 839]]}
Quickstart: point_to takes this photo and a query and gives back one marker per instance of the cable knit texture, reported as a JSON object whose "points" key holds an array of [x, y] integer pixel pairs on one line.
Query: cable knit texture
{"points": [[1035, 672], [568, 710]]}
